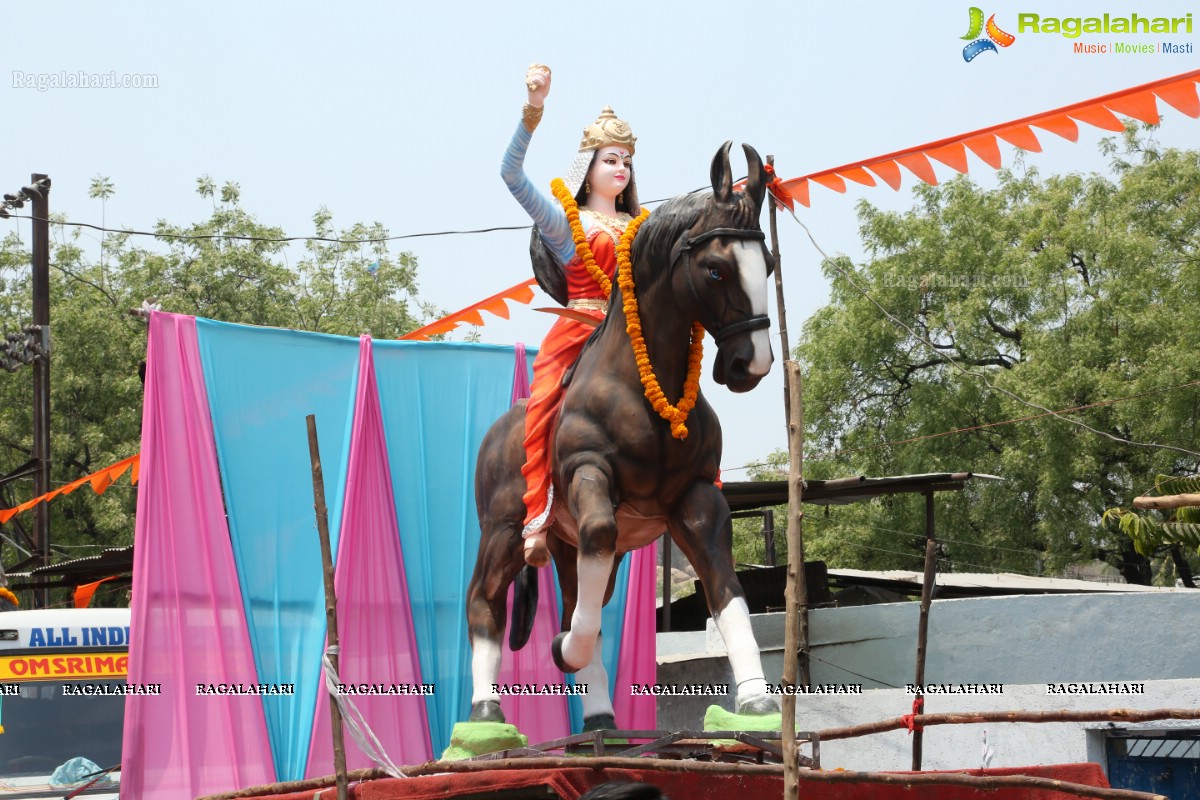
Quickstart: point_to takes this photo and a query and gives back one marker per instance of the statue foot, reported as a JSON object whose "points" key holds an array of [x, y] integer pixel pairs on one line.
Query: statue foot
{"points": [[537, 554], [556, 653], [599, 722], [761, 705], [486, 711]]}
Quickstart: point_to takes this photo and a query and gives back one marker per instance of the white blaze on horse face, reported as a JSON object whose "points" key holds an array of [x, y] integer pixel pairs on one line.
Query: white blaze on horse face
{"points": [[595, 677], [752, 268], [485, 669], [733, 622], [580, 643]]}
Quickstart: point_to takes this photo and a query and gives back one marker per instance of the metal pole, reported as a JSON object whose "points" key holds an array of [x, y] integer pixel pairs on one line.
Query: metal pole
{"points": [[41, 372], [335, 713], [769, 536], [667, 582], [923, 625]]}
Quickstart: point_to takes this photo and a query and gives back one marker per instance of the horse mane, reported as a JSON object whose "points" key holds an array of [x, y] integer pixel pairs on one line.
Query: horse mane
{"points": [[656, 237]]}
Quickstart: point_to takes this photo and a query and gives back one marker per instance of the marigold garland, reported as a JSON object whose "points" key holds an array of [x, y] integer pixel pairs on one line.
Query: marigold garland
{"points": [[582, 248], [676, 415], [9, 596]]}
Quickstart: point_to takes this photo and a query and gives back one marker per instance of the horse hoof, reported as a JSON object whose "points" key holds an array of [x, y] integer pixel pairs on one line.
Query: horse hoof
{"points": [[600, 722], [759, 706], [537, 554], [486, 711], [556, 652]]}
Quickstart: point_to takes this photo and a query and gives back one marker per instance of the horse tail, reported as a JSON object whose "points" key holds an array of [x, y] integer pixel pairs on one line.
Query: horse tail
{"points": [[525, 601]]}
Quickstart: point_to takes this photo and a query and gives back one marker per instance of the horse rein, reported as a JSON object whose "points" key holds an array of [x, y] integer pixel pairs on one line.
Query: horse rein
{"points": [[683, 248]]}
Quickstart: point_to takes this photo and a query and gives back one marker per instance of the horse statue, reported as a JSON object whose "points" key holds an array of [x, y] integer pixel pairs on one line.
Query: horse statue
{"points": [[621, 478]]}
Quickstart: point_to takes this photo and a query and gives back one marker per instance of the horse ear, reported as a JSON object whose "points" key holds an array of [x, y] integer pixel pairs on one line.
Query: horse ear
{"points": [[756, 176], [721, 175]]}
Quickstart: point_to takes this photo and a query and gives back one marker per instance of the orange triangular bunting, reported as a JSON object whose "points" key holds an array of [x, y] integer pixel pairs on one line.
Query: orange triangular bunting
{"points": [[919, 165], [100, 482], [471, 317], [888, 172], [1181, 97], [987, 148], [953, 155], [73, 485], [524, 294], [1061, 125], [137, 466], [1140, 105], [497, 307], [117, 470], [830, 180], [1098, 116], [1021, 136], [858, 175], [801, 192], [7, 514]]}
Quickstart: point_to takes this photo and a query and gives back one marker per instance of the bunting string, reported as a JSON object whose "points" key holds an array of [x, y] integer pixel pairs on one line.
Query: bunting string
{"points": [[100, 481]]}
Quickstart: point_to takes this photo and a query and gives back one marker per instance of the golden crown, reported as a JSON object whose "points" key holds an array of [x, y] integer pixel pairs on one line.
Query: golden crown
{"points": [[606, 130]]}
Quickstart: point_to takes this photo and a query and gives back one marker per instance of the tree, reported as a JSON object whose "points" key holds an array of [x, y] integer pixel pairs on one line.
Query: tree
{"points": [[226, 267], [1070, 292]]}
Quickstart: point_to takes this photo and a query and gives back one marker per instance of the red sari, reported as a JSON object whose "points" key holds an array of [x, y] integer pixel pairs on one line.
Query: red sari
{"points": [[558, 352]]}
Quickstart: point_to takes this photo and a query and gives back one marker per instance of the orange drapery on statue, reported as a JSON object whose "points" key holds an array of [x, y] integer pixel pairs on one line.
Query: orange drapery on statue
{"points": [[558, 352]]}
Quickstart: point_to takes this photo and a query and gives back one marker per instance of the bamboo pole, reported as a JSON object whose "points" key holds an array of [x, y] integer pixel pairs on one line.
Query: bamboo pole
{"points": [[795, 636], [908, 781], [335, 713], [1167, 501], [977, 717], [923, 625]]}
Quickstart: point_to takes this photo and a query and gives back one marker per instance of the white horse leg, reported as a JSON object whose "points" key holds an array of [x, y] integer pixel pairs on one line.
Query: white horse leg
{"points": [[485, 669], [733, 621], [597, 703], [578, 645]]}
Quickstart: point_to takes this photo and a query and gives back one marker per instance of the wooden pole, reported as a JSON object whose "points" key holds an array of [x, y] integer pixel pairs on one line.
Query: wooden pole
{"points": [[795, 636], [976, 717], [979, 783], [923, 625], [784, 344], [335, 713], [1167, 501]]}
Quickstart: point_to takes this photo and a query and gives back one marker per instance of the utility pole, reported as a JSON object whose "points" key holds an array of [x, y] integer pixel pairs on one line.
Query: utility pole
{"points": [[32, 347], [39, 188]]}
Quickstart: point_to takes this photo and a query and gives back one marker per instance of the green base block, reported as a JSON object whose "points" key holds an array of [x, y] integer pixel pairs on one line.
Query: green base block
{"points": [[469, 739], [718, 719]]}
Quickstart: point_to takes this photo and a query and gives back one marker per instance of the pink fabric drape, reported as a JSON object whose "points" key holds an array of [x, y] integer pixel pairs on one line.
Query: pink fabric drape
{"points": [[188, 624], [637, 662], [539, 718], [375, 629]]}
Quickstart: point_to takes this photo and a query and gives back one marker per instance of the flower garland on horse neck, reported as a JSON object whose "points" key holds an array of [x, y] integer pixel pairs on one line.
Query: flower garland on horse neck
{"points": [[675, 414]]}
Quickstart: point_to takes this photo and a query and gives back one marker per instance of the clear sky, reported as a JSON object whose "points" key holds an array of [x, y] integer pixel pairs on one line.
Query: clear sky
{"points": [[399, 113]]}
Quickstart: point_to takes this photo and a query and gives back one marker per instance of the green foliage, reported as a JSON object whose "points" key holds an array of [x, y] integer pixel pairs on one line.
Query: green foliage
{"points": [[196, 269], [1151, 531], [1068, 291]]}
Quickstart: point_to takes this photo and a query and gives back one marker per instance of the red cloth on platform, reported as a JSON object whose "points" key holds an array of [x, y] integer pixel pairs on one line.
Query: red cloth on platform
{"points": [[558, 352]]}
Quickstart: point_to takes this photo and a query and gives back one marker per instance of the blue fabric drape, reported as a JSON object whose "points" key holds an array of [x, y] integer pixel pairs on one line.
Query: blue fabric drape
{"points": [[262, 383], [438, 401]]}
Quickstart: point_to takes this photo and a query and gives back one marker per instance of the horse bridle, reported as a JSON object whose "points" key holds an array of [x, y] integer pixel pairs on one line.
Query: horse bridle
{"points": [[683, 249]]}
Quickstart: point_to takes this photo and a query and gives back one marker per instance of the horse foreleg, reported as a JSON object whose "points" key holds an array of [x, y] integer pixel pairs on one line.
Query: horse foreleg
{"points": [[704, 532], [499, 560], [592, 508]]}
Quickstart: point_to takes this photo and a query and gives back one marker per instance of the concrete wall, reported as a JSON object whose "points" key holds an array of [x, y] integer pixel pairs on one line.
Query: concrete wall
{"points": [[1022, 642]]}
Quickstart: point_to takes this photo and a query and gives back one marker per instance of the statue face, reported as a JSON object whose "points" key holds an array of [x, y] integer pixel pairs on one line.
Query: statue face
{"points": [[611, 171]]}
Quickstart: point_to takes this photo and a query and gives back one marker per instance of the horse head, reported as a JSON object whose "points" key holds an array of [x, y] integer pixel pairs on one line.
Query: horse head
{"points": [[721, 265]]}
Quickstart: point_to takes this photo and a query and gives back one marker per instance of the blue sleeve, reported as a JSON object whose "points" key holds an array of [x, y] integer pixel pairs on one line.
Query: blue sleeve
{"points": [[549, 217]]}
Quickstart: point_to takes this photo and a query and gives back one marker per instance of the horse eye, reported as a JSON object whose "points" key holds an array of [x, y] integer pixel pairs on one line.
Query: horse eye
{"points": [[714, 274]]}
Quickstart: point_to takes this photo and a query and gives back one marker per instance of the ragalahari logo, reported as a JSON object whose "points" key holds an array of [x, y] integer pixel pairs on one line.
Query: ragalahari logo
{"points": [[994, 37]]}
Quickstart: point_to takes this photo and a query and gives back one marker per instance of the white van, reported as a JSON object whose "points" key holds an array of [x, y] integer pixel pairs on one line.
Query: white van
{"points": [[61, 674]]}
